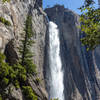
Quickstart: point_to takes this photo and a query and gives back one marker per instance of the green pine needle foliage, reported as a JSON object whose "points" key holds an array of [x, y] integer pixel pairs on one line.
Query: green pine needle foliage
{"points": [[4, 21], [5, 1], [28, 93], [10, 74], [55, 99], [15, 75], [0, 97], [25, 47], [5, 70]]}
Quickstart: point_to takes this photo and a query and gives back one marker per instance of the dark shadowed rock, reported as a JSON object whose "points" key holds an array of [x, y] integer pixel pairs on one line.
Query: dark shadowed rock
{"points": [[10, 53], [16, 12]]}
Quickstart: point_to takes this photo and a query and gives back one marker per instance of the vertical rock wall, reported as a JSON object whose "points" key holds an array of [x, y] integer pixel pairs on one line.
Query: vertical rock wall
{"points": [[16, 12], [80, 68]]}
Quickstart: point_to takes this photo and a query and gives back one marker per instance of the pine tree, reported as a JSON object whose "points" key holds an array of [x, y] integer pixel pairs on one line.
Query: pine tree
{"points": [[15, 75], [25, 47]]}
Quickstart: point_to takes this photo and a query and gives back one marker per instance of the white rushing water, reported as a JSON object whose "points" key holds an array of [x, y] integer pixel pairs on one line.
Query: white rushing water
{"points": [[56, 78]]}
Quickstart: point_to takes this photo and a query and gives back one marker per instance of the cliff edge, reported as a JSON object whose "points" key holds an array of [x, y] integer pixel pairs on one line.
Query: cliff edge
{"points": [[16, 12], [81, 68]]}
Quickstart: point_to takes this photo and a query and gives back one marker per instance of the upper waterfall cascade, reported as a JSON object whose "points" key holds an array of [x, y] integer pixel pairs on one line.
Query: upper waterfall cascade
{"points": [[56, 77]]}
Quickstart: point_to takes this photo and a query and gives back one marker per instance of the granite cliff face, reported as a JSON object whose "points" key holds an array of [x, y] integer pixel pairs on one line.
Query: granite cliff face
{"points": [[16, 12], [81, 72], [81, 68]]}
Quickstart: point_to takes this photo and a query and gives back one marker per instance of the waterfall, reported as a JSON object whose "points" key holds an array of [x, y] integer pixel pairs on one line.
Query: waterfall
{"points": [[56, 86]]}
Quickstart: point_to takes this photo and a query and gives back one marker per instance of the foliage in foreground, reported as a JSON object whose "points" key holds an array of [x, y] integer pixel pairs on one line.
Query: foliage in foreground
{"points": [[90, 25], [0, 97], [10, 74], [4, 21], [26, 59], [5, 1], [54, 99], [17, 74], [28, 93]]}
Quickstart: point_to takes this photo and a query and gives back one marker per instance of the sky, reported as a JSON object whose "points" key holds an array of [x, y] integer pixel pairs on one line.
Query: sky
{"points": [[71, 4]]}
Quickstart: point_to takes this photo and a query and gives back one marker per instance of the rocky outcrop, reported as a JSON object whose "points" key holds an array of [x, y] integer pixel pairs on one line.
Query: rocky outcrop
{"points": [[16, 12], [81, 72]]}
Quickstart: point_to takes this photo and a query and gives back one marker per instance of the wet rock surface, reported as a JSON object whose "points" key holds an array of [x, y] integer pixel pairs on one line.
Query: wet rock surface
{"points": [[81, 68]]}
